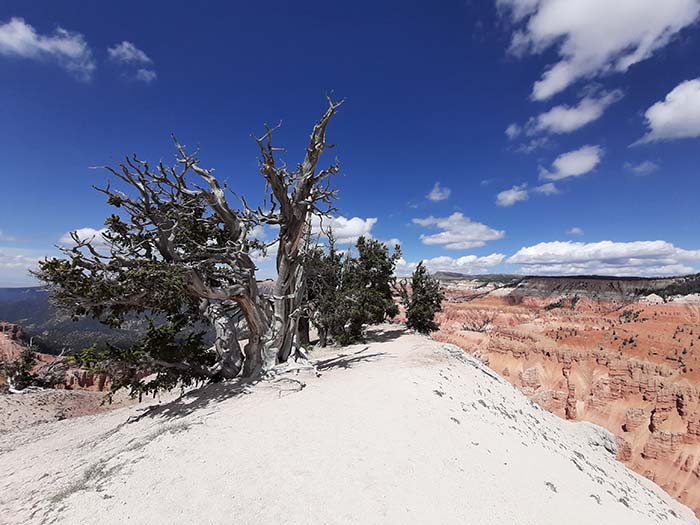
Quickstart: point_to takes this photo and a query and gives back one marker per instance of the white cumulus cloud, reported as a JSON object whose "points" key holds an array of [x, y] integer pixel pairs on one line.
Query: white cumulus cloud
{"points": [[675, 117], [521, 193], [639, 258], [391, 242], [345, 231], [457, 232], [575, 231], [439, 193], [468, 264], [593, 37], [515, 194], [574, 163], [85, 234], [15, 264], [66, 48], [565, 119]]}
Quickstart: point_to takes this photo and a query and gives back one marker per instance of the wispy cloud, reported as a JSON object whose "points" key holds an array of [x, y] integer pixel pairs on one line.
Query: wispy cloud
{"points": [[643, 168], [15, 264], [66, 48], [5, 237], [146, 75], [565, 119], [457, 232], [513, 131], [521, 192], [127, 54], [574, 163], [533, 144], [439, 193], [593, 37], [547, 189]]}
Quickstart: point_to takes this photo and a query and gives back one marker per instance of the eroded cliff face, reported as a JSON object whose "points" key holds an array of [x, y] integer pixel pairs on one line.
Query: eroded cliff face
{"points": [[13, 340], [631, 366]]}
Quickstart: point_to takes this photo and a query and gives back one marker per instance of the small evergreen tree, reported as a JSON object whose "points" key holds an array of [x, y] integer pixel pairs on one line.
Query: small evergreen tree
{"points": [[345, 293], [423, 301], [27, 370], [323, 271], [375, 275], [19, 371], [367, 282]]}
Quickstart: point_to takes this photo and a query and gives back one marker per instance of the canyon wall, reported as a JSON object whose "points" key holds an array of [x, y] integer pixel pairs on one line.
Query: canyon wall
{"points": [[628, 363], [13, 340]]}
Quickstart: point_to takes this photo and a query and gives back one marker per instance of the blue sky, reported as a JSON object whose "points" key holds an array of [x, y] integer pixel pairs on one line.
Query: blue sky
{"points": [[563, 135]]}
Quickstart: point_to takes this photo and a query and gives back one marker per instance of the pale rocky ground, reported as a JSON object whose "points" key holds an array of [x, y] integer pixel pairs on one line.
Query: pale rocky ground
{"points": [[34, 407], [77, 397], [401, 430]]}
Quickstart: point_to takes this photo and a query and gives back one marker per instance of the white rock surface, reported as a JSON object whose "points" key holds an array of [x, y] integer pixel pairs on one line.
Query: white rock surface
{"points": [[652, 298], [692, 298], [400, 431]]}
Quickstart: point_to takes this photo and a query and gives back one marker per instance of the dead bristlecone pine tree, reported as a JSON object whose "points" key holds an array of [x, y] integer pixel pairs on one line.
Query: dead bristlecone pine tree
{"points": [[179, 251]]}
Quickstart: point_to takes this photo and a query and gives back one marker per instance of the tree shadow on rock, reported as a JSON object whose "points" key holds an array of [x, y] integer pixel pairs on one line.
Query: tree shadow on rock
{"points": [[197, 399], [384, 335], [348, 361]]}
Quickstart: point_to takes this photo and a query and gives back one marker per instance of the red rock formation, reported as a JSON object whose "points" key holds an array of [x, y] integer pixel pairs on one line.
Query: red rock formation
{"points": [[688, 463], [570, 410], [624, 449], [13, 341], [662, 444], [634, 418], [694, 428], [530, 379]]}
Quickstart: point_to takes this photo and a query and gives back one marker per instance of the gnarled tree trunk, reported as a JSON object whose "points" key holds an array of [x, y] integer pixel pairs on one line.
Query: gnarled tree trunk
{"points": [[298, 194], [257, 356], [288, 289], [303, 327], [230, 355]]}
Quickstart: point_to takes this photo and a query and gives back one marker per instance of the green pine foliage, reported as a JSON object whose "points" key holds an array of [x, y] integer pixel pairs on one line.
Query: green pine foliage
{"points": [[178, 357], [19, 372], [323, 270], [348, 292], [423, 301]]}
